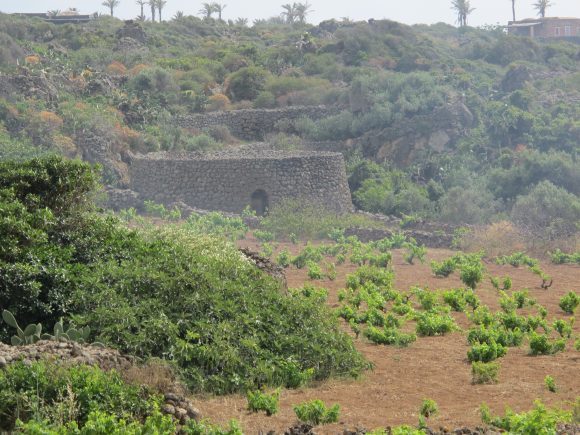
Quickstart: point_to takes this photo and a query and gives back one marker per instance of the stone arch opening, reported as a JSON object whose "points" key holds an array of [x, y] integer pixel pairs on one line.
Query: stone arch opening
{"points": [[259, 202]]}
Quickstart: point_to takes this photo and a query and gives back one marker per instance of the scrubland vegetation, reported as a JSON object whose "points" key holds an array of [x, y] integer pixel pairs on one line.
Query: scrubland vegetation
{"points": [[516, 159]]}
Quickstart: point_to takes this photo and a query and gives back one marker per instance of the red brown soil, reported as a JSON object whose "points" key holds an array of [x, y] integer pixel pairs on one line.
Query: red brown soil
{"points": [[432, 367]]}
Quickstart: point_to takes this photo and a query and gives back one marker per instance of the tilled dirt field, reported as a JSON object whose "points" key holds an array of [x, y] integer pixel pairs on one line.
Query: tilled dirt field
{"points": [[432, 367]]}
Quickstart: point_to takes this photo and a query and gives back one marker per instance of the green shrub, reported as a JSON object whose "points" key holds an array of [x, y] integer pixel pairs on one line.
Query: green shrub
{"points": [[444, 268], [486, 352], [517, 259], [539, 420], [428, 408], [484, 372], [429, 324], [472, 273], [540, 344], [260, 401], [415, 251], [330, 271], [315, 412], [482, 316], [570, 302], [550, 384], [389, 336], [309, 254], [563, 328], [284, 258], [459, 299], [505, 285], [370, 274], [204, 427], [263, 236], [246, 83], [309, 291], [427, 299], [314, 271], [559, 257], [83, 390], [495, 333], [101, 423]]}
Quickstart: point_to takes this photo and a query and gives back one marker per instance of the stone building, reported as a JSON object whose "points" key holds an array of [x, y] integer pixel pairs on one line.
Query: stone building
{"points": [[231, 180], [548, 27]]}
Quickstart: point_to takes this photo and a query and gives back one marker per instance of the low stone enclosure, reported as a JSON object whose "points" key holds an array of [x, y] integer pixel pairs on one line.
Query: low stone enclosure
{"points": [[231, 180]]}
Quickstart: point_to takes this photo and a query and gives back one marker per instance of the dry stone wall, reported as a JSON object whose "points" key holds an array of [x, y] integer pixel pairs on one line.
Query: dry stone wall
{"points": [[253, 124], [231, 180]]}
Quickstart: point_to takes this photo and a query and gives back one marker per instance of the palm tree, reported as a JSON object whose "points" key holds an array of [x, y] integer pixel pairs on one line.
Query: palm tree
{"points": [[111, 4], [514, 9], [153, 6], [160, 5], [301, 10], [219, 9], [207, 10], [463, 9], [241, 21], [541, 6], [179, 15], [289, 13], [142, 4]]}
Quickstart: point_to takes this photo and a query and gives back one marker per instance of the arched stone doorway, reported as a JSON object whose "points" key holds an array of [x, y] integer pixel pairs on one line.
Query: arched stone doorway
{"points": [[259, 202]]}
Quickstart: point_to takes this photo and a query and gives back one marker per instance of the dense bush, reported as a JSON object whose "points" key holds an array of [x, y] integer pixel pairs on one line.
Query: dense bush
{"points": [[79, 395], [316, 412], [164, 293], [246, 83], [538, 420], [548, 210]]}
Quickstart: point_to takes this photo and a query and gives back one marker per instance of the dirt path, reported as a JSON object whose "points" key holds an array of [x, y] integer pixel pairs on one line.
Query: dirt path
{"points": [[432, 367]]}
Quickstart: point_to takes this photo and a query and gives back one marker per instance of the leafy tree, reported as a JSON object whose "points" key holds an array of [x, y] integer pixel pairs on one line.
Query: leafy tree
{"points": [[463, 9], [111, 4], [541, 6]]}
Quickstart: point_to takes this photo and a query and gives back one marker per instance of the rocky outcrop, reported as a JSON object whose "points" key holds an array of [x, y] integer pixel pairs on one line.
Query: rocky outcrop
{"points": [[65, 352], [516, 78], [31, 85], [132, 29], [409, 139]]}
